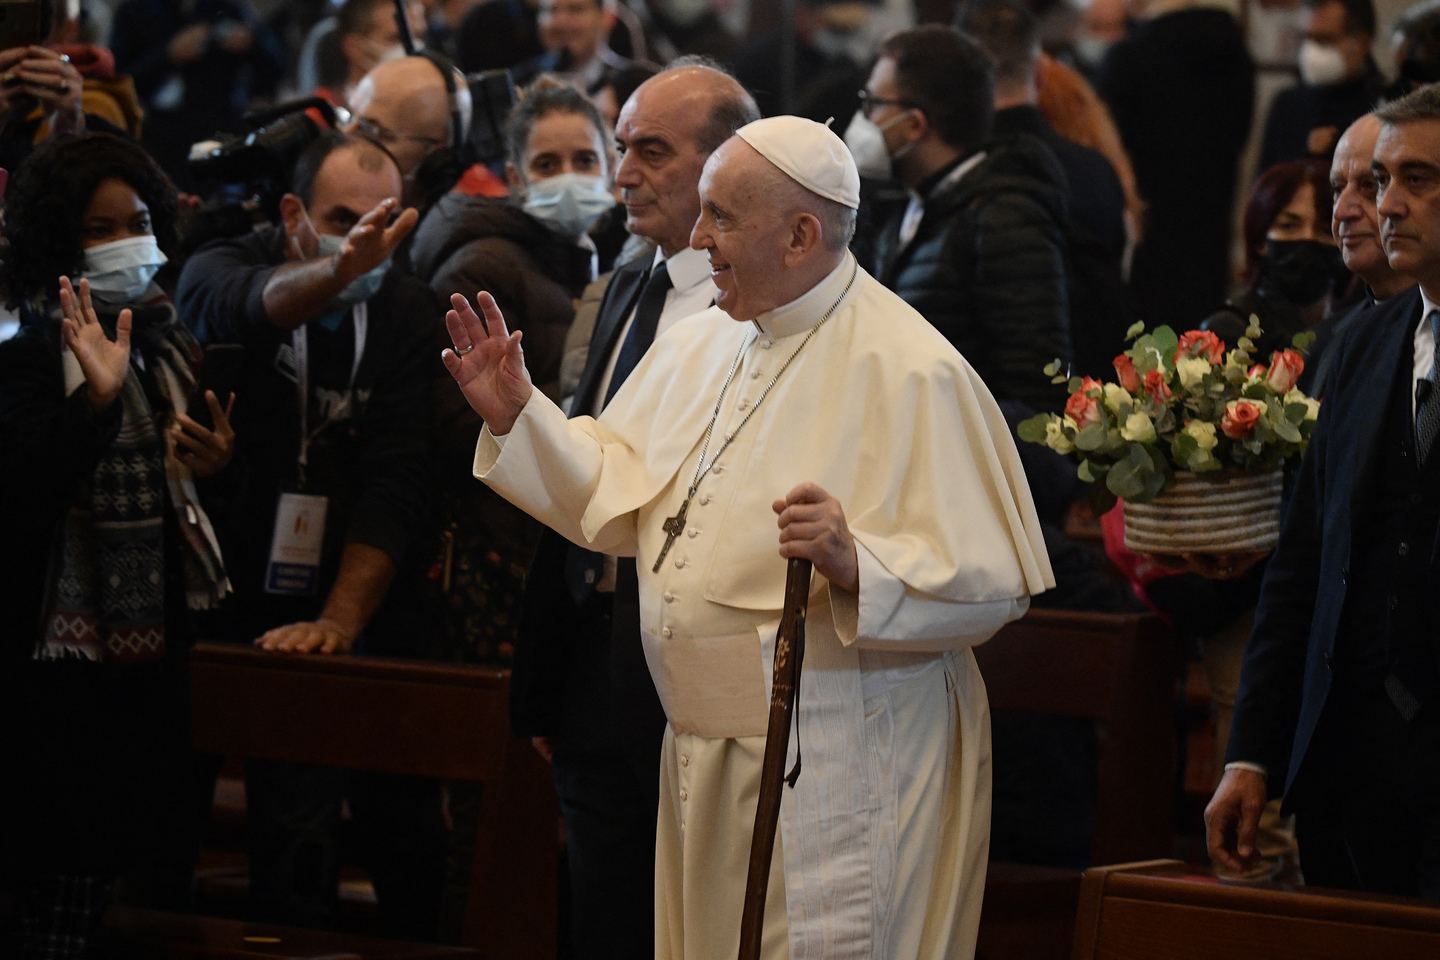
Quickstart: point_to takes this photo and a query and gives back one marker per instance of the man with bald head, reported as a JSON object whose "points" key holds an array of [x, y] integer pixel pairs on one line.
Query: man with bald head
{"points": [[580, 683], [403, 105], [1356, 225], [810, 414]]}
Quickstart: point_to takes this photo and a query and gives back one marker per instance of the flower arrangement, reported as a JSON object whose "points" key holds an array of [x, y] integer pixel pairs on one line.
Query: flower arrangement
{"points": [[1179, 404]]}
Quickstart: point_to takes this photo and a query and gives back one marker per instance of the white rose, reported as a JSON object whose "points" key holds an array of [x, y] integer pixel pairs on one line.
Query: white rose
{"points": [[1055, 437], [1204, 434], [1192, 370], [1312, 406], [1116, 396], [1138, 428]]}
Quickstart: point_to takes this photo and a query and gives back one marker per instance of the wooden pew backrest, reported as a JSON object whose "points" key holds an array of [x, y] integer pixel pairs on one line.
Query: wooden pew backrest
{"points": [[1119, 669], [1163, 911]]}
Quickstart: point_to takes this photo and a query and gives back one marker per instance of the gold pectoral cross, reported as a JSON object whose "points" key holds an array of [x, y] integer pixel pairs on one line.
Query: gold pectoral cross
{"points": [[672, 528]]}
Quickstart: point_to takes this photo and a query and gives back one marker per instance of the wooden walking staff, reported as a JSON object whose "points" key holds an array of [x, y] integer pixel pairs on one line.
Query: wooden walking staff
{"points": [[784, 695]]}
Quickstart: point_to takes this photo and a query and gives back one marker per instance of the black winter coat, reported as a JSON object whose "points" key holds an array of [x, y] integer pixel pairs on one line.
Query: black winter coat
{"points": [[987, 268], [469, 244]]}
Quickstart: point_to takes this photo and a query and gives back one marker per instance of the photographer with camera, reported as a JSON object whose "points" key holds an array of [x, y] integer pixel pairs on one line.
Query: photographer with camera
{"points": [[339, 483], [418, 109]]}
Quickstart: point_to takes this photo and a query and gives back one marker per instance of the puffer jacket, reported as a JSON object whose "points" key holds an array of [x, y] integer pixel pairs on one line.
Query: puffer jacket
{"points": [[465, 245], [987, 268]]}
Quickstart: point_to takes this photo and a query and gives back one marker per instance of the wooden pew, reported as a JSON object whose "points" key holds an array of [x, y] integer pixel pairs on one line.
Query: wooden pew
{"points": [[1162, 911], [406, 717], [146, 935], [1121, 670]]}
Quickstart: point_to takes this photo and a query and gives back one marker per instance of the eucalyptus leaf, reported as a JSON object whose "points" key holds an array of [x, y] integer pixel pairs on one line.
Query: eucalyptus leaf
{"points": [[1033, 430], [1091, 437]]}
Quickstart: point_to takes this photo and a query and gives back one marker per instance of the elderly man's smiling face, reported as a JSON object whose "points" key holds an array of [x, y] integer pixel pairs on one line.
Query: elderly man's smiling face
{"points": [[746, 228], [743, 234]]}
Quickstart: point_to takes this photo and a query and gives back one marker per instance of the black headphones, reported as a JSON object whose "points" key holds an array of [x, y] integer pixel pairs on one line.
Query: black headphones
{"points": [[440, 170]]}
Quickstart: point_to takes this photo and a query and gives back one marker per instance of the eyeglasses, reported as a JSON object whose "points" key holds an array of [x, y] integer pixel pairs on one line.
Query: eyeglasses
{"points": [[868, 102], [369, 128]]}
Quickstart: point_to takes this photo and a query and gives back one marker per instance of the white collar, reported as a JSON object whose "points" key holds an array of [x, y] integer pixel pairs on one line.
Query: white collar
{"points": [[687, 267], [954, 176], [1426, 306], [802, 313]]}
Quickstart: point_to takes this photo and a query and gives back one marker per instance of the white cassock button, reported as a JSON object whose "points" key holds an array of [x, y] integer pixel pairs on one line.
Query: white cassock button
{"points": [[744, 404], [669, 597], [719, 469], [704, 499], [680, 563], [684, 794], [764, 344], [755, 374], [692, 533], [667, 633], [684, 760]]}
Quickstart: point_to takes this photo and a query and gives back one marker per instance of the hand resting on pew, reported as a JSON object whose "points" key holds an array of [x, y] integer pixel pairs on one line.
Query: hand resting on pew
{"points": [[1232, 816], [364, 577]]}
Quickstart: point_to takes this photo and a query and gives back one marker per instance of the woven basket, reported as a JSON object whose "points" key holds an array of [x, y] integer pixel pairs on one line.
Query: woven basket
{"points": [[1233, 513]]}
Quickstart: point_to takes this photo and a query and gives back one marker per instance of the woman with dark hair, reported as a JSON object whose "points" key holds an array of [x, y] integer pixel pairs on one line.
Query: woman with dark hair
{"points": [[533, 253], [107, 546], [1292, 265]]}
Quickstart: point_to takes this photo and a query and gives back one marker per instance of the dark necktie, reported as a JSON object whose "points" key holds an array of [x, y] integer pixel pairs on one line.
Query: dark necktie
{"points": [[642, 329], [1427, 410], [583, 568]]}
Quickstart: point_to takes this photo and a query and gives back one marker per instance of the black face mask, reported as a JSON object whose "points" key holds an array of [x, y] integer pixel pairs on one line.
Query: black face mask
{"points": [[1300, 271]]}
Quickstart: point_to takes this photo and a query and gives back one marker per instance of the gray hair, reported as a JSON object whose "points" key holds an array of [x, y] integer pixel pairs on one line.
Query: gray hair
{"points": [[1421, 104], [730, 110]]}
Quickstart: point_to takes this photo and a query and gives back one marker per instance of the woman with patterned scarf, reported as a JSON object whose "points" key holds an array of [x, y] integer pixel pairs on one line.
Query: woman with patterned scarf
{"points": [[106, 546]]}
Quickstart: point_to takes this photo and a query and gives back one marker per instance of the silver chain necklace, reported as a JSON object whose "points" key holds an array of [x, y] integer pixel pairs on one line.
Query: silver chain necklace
{"points": [[676, 524]]}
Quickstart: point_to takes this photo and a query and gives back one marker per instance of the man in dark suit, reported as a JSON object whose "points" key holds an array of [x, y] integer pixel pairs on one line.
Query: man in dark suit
{"points": [[580, 683], [1339, 702]]}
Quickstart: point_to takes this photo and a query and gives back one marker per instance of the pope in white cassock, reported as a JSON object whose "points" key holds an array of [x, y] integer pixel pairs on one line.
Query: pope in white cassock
{"points": [[831, 423]]}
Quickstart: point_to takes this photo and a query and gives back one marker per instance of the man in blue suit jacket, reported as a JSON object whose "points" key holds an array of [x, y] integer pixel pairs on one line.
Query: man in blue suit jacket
{"points": [[1339, 702]]}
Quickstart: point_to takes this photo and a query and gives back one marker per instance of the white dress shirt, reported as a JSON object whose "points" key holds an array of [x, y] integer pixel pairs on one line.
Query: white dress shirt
{"points": [[691, 290], [915, 212]]}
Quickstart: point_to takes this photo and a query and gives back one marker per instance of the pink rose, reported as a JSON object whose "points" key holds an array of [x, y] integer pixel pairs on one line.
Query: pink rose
{"points": [[1083, 409], [1201, 343], [1240, 418], [1125, 370], [1156, 386], [1258, 370], [1285, 368]]}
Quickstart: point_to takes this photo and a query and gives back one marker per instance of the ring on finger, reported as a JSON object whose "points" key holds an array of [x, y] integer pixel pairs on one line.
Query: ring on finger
{"points": [[463, 351]]}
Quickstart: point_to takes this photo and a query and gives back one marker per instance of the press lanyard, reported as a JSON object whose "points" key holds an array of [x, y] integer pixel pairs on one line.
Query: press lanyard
{"points": [[300, 343]]}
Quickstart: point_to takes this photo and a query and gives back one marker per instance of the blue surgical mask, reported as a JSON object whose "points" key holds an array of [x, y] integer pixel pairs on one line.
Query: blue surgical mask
{"points": [[570, 203], [120, 271], [363, 287]]}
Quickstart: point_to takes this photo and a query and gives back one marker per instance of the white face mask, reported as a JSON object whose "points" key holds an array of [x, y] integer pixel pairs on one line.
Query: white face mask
{"points": [[1090, 50], [1321, 65], [120, 271], [570, 203], [866, 140]]}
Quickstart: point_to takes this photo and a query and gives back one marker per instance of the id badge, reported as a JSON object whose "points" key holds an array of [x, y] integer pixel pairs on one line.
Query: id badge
{"points": [[294, 567]]}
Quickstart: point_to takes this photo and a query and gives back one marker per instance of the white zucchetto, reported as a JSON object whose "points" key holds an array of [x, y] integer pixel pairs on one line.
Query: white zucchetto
{"points": [[810, 153]]}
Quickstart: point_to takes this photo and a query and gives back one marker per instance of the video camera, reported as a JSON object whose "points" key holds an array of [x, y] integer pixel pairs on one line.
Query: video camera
{"points": [[249, 173]]}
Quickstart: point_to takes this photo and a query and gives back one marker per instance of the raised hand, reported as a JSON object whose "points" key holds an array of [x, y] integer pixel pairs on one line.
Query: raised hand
{"points": [[104, 362], [52, 80], [813, 527], [487, 362], [370, 241], [205, 452]]}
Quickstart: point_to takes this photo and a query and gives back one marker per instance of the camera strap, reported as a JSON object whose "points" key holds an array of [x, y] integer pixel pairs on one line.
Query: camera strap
{"points": [[300, 343]]}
